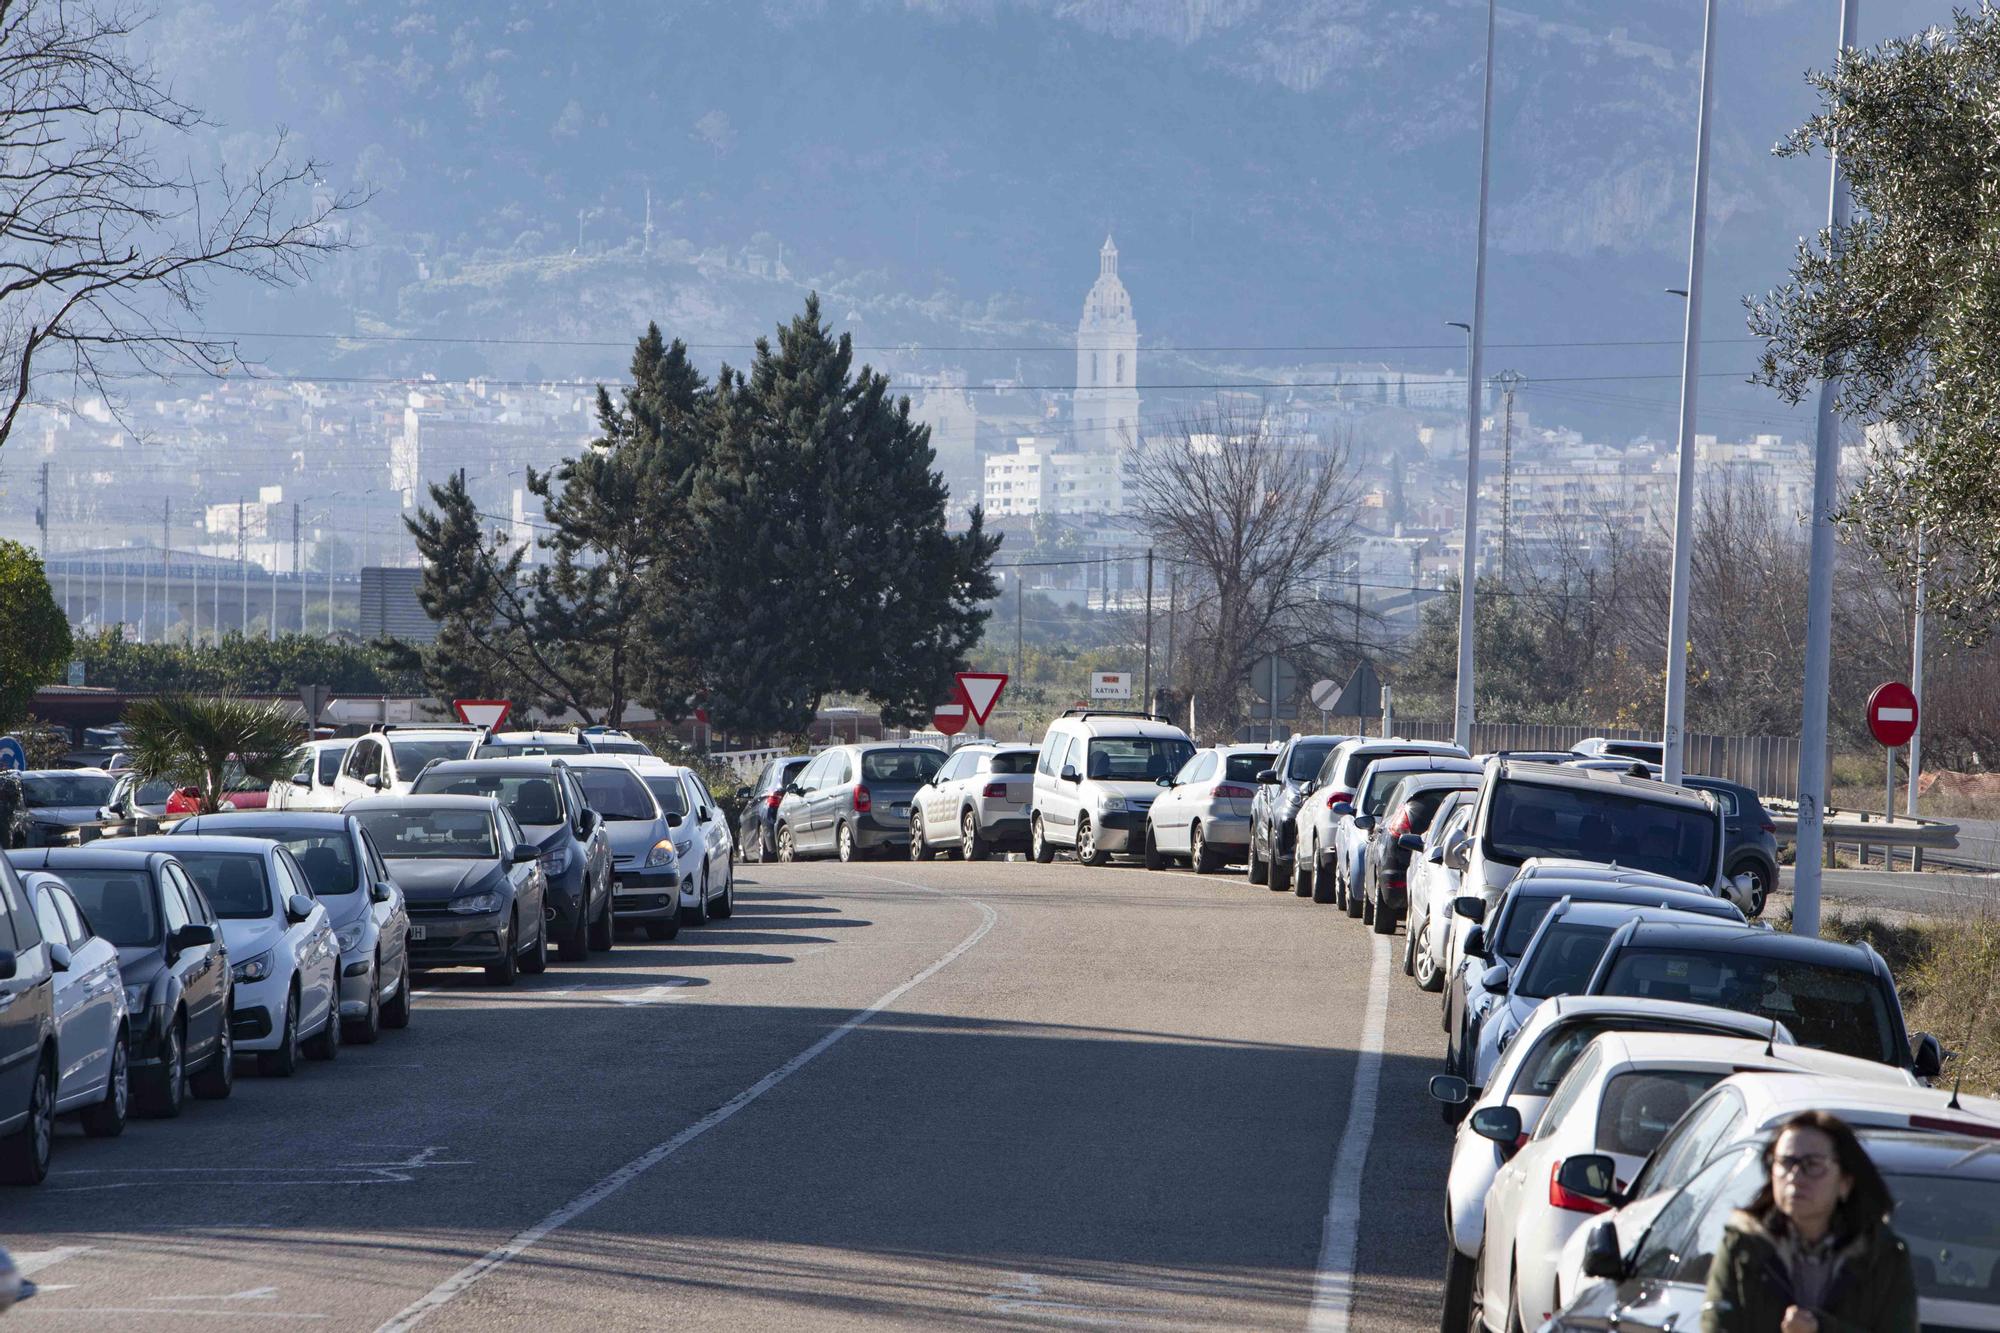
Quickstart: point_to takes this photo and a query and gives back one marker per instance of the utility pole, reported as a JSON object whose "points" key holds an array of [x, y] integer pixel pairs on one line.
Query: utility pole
{"points": [[1508, 380], [1917, 688], [298, 570], [1148, 695], [243, 565], [1020, 588], [1173, 606], [42, 514], [166, 567]]}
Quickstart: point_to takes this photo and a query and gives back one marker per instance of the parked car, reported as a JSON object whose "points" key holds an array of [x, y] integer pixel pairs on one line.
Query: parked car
{"points": [[138, 806], [1280, 789], [541, 794], [1203, 811], [285, 969], [172, 960], [647, 874], [367, 910], [386, 762], [1749, 840], [520, 744], [92, 1034], [29, 1062], [975, 804], [473, 881], [1396, 836], [63, 803], [1947, 1193], [1598, 747], [1096, 779], [1839, 997], [1317, 822], [314, 783], [1524, 1080], [702, 839], [610, 740], [1745, 1110], [757, 826], [1432, 889], [854, 800], [1340, 872]]}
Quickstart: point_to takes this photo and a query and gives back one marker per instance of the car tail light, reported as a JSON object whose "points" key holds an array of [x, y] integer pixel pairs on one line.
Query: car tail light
{"points": [[774, 800], [1235, 792], [1393, 881], [995, 791], [1948, 1125], [1334, 798], [1560, 1197], [863, 802], [1401, 825]]}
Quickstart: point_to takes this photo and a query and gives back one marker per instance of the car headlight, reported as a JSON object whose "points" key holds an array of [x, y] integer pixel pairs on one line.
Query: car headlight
{"points": [[662, 853], [135, 996], [557, 861], [350, 935], [474, 903], [1113, 802], [252, 969]]}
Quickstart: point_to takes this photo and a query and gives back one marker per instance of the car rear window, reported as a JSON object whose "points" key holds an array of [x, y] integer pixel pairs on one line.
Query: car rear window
{"points": [[1952, 1226], [411, 756], [1608, 826], [1641, 1105], [437, 833], [1357, 763], [1246, 767], [910, 768], [1013, 765], [120, 904], [234, 882], [1563, 960], [530, 797], [1831, 1008], [1307, 757]]}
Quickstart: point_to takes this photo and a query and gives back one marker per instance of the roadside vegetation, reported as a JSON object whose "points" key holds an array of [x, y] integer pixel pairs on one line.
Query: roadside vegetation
{"points": [[1948, 971]]}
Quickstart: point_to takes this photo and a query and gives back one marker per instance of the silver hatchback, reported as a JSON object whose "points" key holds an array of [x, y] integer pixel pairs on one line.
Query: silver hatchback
{"points": [[1203, 811]]}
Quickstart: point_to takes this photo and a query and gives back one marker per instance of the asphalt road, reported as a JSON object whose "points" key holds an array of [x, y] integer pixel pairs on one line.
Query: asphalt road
{"points": [[1927, 894], [997, 1095]]}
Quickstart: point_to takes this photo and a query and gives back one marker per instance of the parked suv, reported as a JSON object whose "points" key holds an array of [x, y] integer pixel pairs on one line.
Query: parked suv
{"points": [[1651, 753], [976, 804], [315, 778], [757, 826], [1749, 840], [1203, 811], [1280, 789], [386, 762], [1096, 780]]}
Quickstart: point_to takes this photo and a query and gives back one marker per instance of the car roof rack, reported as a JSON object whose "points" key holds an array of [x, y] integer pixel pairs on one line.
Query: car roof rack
{"points": [[1113, 712], [423, 726]]}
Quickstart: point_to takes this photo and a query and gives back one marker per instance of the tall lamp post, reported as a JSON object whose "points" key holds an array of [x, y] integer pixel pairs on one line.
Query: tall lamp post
{"points": [[1475, 337]]}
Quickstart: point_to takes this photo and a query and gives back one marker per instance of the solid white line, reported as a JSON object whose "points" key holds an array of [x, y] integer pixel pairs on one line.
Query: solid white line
{"points": [[1340, 1234], [29, 1262], [459, 1282]]}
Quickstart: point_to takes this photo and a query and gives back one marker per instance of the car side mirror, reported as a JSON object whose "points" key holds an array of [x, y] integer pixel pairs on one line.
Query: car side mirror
{"points": [[192, 936], [1475, 942], [673, 820], [298, 907], [1456, 858], [7, 965], [1410, 842], [1471, 907], [108, 812], [704, 814], [1495, 977], [1592, 1175], [59, 958], [1343, 807], [1364, 822], [1601, 1256], [1450, 1089], [382, 892], [302, 779], [1267, 776], [373, 782], [525, 852], [794, 789], [1163, 782], [1501, 1123], [1069, 773], [742, 793], [1435, 855], [1928, 1061]]}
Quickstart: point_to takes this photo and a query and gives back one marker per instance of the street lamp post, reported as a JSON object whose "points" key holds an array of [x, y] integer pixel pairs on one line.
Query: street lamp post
{"points": [[1475, 337]]}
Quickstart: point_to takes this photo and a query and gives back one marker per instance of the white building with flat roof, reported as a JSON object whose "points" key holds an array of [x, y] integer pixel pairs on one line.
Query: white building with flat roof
{"points": [[1036, 479]]}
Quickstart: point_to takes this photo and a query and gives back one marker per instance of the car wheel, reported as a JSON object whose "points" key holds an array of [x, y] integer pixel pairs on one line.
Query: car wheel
{"points": [[1087, 850], [536, 960], [325, 1044], [503, 970], [1475, 1308], [396, 1013], [166, 1091], [971, 844], [217, 1078], [1514, 1324], [1456, 1316], [1760, 884], [1353, 897], [920, 846], [283, 1062], [106, 1120], [573, 945], [1260, 869], [1326, 881], [24, 1154], [1302, 874], [844, 844], [605, 929], [725, 906], [1380, 916], [1410, 953], [787, 850], [1154, 861], [1200, 856], [1039, 844], [698, 914], [367, 1029], [1430, 977], [767, 844]]}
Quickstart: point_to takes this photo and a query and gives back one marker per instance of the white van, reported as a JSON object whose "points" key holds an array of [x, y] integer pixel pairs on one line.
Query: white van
{"points": [[1096, 779]]}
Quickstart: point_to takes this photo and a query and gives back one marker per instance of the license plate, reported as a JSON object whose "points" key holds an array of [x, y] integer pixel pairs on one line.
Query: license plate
{"points": [[903, 810], [417, 932], [618, 886]]}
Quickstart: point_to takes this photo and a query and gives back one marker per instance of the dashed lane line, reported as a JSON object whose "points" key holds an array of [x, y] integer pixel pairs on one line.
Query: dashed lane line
{"points": [[1339, 1240]]}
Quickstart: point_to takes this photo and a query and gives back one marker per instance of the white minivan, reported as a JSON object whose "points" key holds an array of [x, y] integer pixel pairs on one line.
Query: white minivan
{"points": [[1096, 780]]}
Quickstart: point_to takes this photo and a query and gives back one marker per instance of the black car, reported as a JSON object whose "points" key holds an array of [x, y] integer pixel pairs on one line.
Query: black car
{"points": [[175, 966], [1749, 838], [757, 826], [1397, 836], [1280, 788], [542, 795], [1837, 997], [61, 803]]}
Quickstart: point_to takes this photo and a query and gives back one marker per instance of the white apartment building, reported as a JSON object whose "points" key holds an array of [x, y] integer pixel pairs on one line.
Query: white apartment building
{"points": [[1036, 479]]}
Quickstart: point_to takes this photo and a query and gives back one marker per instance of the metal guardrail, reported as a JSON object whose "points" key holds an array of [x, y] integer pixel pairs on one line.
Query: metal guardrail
{"points": [[1863, 830]]}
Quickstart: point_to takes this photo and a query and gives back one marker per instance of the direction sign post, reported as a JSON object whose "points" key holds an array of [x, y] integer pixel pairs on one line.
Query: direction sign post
{"points": [[1110, 685]]}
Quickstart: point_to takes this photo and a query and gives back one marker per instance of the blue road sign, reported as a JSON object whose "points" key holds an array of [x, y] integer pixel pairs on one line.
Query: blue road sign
{"points": [[13, 758]]}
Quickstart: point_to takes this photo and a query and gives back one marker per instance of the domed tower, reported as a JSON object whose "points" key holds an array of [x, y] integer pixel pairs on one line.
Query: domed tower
{"points": [[1107, 362]]}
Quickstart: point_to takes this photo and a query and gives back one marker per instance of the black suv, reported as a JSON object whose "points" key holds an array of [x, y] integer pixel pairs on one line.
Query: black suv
{"points": [[1280, 788], [542, 795], [1749, 838]]}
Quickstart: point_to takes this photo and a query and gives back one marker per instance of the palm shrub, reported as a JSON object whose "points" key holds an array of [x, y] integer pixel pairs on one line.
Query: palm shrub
{"points": [[190, 741]]}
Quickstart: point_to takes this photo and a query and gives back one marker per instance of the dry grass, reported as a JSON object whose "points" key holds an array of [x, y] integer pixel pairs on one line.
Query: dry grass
{"points": [[1948, 972]]}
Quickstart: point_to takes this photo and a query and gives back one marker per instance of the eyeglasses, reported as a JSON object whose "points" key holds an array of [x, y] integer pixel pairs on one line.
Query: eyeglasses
{"points": [[1812, 1167]]}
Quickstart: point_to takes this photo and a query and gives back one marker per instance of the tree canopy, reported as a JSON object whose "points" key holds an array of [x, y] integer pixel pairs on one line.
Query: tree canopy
{"points": [[36, 647]]}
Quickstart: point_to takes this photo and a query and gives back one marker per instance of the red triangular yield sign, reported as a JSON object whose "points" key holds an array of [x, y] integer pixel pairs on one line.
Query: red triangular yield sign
{"points": [[981, 690]]}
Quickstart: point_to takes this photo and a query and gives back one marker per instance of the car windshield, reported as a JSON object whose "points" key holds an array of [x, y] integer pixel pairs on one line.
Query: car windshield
{"points": [[234, 882], [1014, 764], [327, 856], [1952, 1226], [1246, 767], [907, 768], [44, 791], [1524, 918], [435, 832], [666, 789], [530, 797], [618, 747], [411, 756], [516, 749], [1545, 1067], [616, 793], [1832, 1008], [330, 758], [1307, 756], [1639, 1106], [1562, 961], [120, 904], [1610, 826], [1136, 758]]}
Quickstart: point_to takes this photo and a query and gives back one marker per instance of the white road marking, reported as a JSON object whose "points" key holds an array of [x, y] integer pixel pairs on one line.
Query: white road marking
{"points": [[30, 1262], [157, 1312], [458, 1283], [253, 1294], [1339, 1238]]}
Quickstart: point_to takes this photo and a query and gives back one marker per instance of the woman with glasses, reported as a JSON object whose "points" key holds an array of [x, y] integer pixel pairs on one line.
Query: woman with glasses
{"points": [[1813, 1253]]}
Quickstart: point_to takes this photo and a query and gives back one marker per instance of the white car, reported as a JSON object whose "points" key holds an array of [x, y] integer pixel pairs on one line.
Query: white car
{"points": [[1203, 812], [1747, 1108], [284, 958], [93, 1039], [704, 848], [1340, 779], [1427, 946], [1619, 1099], [1097, 778], [386, 761], [975, 804], [314, 783]]}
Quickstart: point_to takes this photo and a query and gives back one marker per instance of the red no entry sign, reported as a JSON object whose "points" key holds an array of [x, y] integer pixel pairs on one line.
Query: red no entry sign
{"points": [[949, 718], [1892, 714]]}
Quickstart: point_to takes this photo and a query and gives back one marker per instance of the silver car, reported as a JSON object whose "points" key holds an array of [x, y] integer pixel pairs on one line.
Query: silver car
{"points": [[975, 805], [647, 876], [1203, 811]]}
